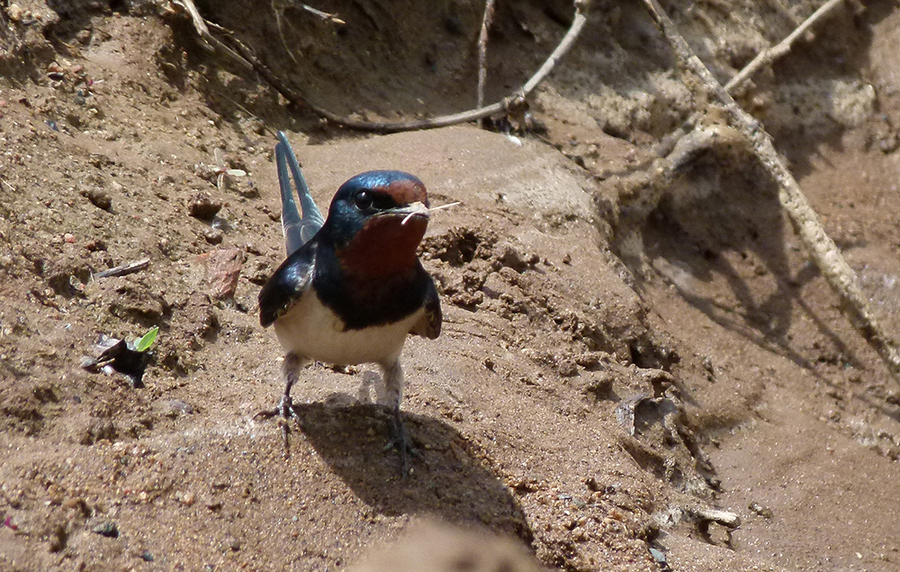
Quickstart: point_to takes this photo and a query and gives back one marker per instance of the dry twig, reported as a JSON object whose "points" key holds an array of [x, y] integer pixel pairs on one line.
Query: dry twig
{"points": [[199, 23], [482, 51], [284, 42], [647, 182], [769, 55], [706, 515], [243, 55], [125, 269], [764, 58], [823, 251], [324, 16]]}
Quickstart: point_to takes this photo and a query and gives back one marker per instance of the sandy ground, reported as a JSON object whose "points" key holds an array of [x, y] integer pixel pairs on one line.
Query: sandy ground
{"points": [[603, 384]]}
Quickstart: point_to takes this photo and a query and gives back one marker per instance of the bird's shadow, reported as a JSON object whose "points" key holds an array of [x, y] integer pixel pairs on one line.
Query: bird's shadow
{"points": [[447, 478]]}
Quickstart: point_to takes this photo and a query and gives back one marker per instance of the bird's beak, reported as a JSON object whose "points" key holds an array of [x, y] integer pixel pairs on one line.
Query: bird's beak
{"points": [[415, 209]]}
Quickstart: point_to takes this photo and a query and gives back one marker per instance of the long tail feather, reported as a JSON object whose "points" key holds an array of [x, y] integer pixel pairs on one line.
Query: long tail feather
{"points": [[297, 229]]}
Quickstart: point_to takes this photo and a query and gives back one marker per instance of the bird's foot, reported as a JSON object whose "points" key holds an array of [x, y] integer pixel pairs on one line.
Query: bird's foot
{"points": [[285, 411], [401, 442], [285, 408]]}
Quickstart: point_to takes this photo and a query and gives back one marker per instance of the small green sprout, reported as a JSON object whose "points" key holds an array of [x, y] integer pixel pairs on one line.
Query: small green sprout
{"points": [[147, 340]]}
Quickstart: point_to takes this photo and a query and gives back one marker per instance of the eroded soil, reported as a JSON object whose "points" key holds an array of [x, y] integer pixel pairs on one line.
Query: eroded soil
{"points": [[587, 402]]}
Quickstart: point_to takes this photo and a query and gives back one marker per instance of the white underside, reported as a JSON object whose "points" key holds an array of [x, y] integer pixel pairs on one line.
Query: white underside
{"points": [[312, 330]]}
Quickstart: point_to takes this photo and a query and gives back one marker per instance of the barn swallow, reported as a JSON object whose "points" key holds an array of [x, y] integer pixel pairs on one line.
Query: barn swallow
{"points": [[352, 287]]}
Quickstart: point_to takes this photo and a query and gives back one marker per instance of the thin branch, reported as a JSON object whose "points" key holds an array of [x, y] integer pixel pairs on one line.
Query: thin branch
{"points": [[581, 9], [324, 16], [765, 57], [245, 54], [124, 269], [199, 23], [644, 186], [207, 40], [769, 55], [486, 21], [284, 43], [823, 251], [242, 54]]}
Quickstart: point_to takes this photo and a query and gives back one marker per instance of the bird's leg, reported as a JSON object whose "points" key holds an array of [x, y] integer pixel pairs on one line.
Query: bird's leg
{"points": [[393, 381], [285, 408], [291, 368]]}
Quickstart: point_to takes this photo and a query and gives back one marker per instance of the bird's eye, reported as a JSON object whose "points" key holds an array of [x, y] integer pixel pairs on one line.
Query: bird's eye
{"points": [[363, 200]]}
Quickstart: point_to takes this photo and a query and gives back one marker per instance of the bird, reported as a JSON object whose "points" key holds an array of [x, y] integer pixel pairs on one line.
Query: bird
{"points": [[352, 288]]}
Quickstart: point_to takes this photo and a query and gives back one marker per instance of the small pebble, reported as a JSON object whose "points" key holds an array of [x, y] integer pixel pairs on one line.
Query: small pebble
{"points": [[567, 368], [175, 407], [658, 555], [203, 207], [761, 510], [214, 236], [107, 529], [223, 268], [187, 498], [99, 198]]}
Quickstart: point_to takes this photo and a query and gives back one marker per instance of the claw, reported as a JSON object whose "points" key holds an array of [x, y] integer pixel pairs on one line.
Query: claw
{"points": [[401, 442], [267, 413], [285, 409]]}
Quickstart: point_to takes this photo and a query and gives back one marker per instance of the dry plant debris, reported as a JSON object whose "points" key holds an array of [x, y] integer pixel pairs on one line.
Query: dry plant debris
{"points": [[821, 248], [243, 55]]}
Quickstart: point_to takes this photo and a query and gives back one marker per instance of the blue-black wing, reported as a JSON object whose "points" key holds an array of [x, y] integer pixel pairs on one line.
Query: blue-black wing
{"points": [[288, 284], [430, 324], [298, 230]]}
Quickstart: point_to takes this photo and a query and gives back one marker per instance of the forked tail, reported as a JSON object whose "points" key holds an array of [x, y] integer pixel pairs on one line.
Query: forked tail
{"points": [[297, 229]]}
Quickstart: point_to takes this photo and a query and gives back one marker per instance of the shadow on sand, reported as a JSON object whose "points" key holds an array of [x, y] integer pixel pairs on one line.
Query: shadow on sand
{"points": [[447, 480]]}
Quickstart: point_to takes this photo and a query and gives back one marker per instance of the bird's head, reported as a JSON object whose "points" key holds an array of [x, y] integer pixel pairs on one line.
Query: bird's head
{"points": [[376, 222]]}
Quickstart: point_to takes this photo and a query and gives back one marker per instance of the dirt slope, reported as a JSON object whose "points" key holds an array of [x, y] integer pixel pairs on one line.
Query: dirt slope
{"points": [[588, 409]]}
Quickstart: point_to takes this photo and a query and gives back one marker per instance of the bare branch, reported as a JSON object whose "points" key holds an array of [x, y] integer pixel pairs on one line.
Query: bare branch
{"points": [[324, 16], [823, 251], [284, 43], [124, 269], [581, 8], [208, 41], [765, 57], [769, 55], [242, 54], [482, 50], [199, 23]]}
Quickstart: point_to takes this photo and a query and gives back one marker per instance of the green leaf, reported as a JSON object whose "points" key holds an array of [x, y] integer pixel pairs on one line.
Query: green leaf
{"points": [[145, 342]]}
